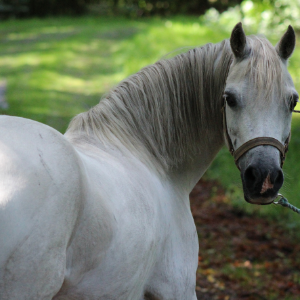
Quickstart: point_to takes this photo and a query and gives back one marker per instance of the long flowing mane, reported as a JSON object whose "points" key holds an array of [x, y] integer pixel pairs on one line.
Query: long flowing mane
{"points": [[161, 112], [160, 109]]}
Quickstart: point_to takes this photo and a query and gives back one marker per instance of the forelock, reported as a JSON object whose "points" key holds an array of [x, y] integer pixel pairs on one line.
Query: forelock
{"points": [[264, 66]]}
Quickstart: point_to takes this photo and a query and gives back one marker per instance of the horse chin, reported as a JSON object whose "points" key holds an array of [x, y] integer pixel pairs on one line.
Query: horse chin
{"points": [[259, 201]]}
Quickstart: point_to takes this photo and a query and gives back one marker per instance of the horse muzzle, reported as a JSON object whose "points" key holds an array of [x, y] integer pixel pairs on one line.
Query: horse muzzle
{"points": [[261, 183]]}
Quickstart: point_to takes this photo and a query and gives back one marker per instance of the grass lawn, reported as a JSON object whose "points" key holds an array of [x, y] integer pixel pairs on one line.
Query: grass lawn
{"points": [[57, 68]]}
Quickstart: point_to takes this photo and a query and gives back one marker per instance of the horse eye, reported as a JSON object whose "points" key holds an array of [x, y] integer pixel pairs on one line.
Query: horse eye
{"points": [[230, 99], [293, 101]]}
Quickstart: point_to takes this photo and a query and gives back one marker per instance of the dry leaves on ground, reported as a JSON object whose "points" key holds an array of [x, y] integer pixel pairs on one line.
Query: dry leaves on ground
{"points": [[241, 256]]}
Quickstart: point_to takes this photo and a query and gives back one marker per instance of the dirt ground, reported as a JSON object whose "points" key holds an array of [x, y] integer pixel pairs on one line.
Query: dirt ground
{"points": [[242, 256]]}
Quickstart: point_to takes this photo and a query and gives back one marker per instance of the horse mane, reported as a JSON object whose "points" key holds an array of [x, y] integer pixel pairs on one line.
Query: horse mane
{"points": [[163, 112]]}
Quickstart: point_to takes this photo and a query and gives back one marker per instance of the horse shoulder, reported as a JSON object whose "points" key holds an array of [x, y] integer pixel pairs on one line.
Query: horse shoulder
{"points": [[125, 225], [131, 210]]}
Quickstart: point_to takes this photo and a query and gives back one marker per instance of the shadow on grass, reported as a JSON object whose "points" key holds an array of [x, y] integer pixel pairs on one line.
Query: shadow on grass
{"points": [[56, 109], [54, 76]]}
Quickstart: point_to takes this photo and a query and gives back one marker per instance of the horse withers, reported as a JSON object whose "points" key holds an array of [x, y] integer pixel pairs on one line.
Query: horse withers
{"points": [[103, 212]]}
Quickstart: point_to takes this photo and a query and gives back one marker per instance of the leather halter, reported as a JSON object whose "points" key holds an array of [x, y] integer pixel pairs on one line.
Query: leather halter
{"points": [[259, 141]]}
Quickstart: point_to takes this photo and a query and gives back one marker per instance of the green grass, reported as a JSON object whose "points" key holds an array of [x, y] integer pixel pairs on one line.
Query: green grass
{"points": [[57, 68]]}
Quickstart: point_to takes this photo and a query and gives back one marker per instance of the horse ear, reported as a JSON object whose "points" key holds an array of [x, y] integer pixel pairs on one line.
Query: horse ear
{"points": [[238, 41], [287, 43]]}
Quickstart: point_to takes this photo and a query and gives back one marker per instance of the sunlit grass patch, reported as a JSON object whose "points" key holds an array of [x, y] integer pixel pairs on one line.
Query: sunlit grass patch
{"points": [[57, 67], [163, 37], [47, 62]]}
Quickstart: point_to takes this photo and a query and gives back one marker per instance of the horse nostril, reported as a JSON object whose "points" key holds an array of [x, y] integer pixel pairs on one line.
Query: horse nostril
{"points": [[277, 178], [252, 176]]}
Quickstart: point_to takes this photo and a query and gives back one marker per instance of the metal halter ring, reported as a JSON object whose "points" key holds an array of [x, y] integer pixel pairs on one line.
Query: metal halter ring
{"points": [[278, 195]]}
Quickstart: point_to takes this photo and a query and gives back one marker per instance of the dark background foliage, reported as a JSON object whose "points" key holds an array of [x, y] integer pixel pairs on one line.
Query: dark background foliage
{"points": [[129, 8]]}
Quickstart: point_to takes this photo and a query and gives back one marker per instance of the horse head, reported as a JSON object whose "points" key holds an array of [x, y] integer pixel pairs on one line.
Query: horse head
{"points": [[259, 98]]}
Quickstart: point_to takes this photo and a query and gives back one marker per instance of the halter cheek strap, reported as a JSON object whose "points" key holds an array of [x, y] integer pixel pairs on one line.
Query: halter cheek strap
{"points": [[259, 141]]}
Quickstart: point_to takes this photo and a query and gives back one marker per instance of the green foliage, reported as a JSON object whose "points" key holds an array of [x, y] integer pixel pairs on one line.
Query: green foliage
{"points": [[138, 8], [25, 8], [128, 8], [269, 17]]}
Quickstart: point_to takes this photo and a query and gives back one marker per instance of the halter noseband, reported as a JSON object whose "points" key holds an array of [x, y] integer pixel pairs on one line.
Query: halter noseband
{"points": [[259, 141]]}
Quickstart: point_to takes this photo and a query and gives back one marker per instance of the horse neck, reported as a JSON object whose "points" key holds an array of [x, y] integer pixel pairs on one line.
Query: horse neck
{"points": [[209, 120], [168, 114]]}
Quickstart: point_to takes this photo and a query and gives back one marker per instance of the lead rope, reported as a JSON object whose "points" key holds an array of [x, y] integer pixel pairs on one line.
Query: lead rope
{"points": [[285, 203]]}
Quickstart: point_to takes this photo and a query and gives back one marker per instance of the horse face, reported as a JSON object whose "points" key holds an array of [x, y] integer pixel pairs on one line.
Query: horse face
{"points": [[260, 97]]}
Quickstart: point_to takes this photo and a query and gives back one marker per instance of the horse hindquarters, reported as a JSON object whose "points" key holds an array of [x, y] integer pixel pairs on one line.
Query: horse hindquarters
{"points": [[39, 204]]}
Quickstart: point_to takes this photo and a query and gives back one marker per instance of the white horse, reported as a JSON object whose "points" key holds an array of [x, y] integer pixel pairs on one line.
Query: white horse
{"points": [[103, 212]]}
